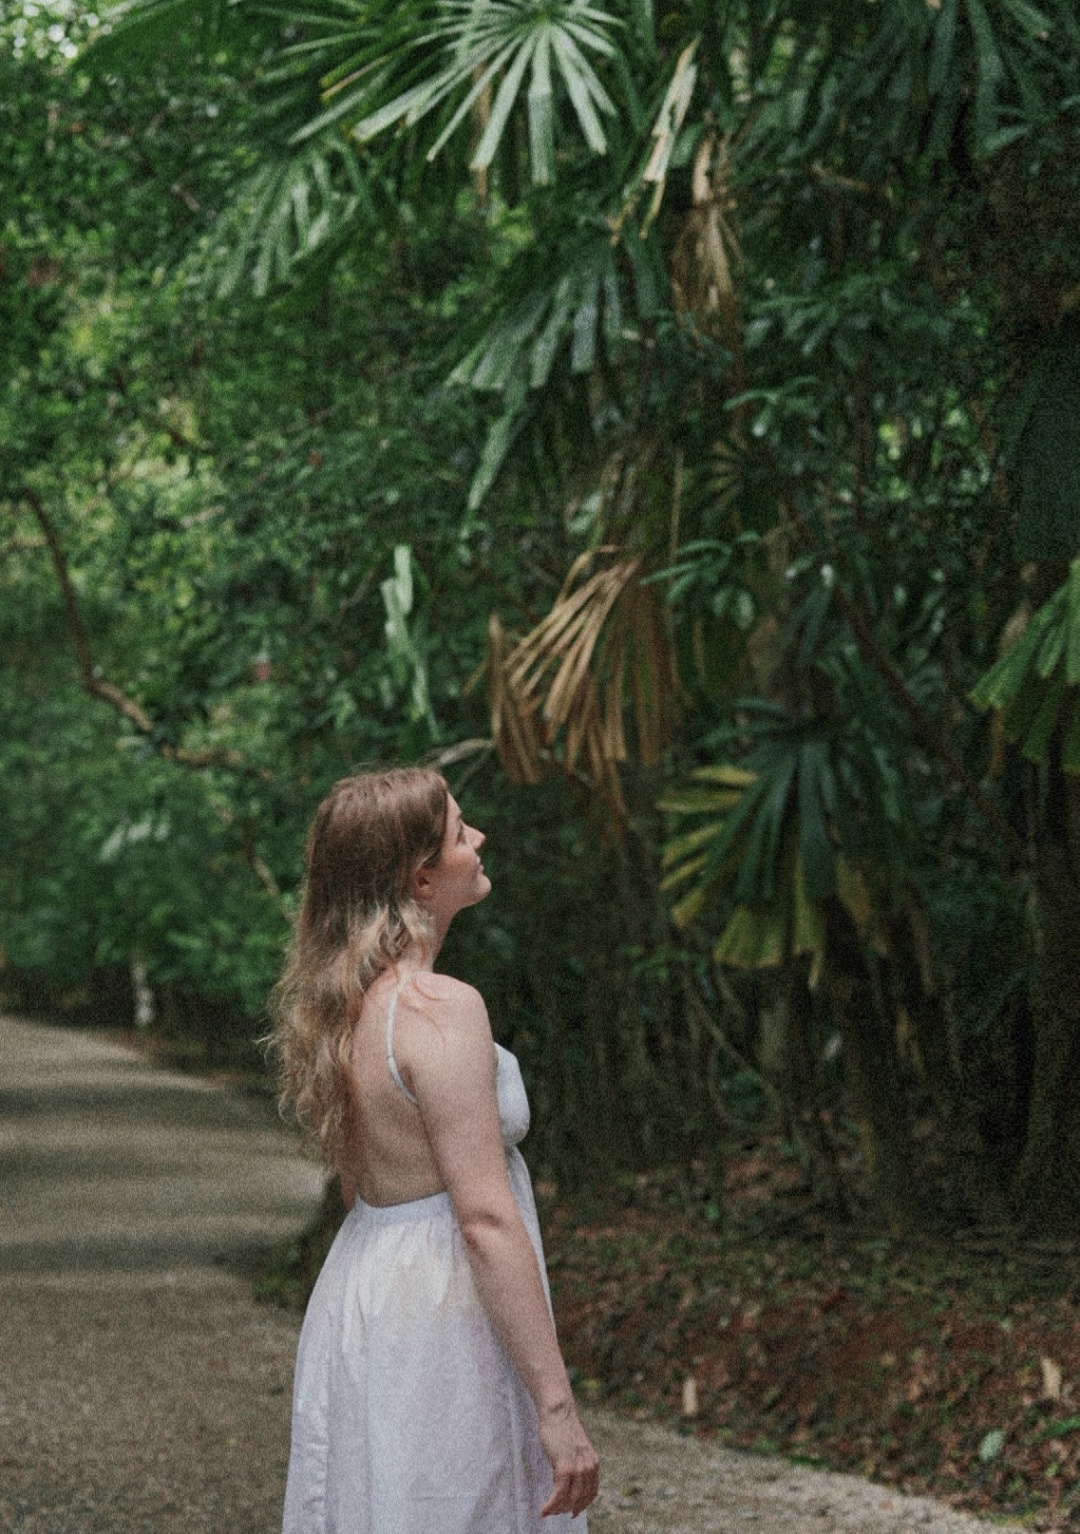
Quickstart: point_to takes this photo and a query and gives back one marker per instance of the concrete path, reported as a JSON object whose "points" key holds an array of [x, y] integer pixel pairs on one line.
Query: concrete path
{"points": [[142, 1391], [109, 1163]]}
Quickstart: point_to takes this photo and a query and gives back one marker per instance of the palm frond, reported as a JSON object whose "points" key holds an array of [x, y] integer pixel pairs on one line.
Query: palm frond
{"points": [[288, 215], [397, 67], [142, 29], [707, 253], [563, 694], [557, 309], [520, 743]]}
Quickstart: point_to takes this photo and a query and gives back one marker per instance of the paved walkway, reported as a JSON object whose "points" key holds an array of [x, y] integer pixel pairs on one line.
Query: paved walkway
{"points": [[109, 1163], [142, 1391]]}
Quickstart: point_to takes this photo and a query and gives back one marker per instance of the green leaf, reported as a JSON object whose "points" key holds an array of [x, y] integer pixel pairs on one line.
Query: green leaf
{"points": [[639, 253], [541, 115], [997, 687], [991, 1445], [583, 355], [815, 845], [686, 870], [1053, 644], [753, 939], [1058, 1429], [498, 443], [1072, 654], [944, 36], [1038, 736], [1034, 22], [547, 342], [686, 910], [644, 23], [583, 89], [697, 801], [612, 321], [808, 921], [758, 873], [1018, 717], [500, 356], [1070, 751], [480, 84], [731, 777], [990, 73], [501, 107], [690, 842]]}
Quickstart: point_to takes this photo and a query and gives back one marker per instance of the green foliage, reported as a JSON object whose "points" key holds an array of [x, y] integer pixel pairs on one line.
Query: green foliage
{"points": [[405, 62], [328, 332], [1035, 686]]}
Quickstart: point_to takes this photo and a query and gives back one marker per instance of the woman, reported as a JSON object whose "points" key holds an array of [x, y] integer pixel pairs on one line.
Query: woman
{"points": [[430, 1393]]}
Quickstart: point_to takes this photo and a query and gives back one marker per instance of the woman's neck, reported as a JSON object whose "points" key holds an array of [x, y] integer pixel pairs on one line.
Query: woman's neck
{"points": [[419, 959]]}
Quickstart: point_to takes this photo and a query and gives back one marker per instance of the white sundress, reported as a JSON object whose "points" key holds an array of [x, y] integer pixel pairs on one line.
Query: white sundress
{"points": [[408, 1415]]}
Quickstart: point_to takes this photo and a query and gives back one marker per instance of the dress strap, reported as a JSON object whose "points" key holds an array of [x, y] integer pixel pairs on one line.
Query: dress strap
{"points": [[391, 1062]]}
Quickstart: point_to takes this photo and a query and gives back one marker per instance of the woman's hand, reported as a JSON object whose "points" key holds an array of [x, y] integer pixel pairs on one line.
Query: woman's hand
{"points": [[573, 1461]]}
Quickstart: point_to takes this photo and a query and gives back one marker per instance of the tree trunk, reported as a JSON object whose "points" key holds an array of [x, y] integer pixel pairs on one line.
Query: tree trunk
{"points": [[873, 1073], [965, 1146], [803, 1086], [1046, 1188]]}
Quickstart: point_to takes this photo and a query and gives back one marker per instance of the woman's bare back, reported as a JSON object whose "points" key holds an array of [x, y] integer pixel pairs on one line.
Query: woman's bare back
{"points": [[389, 1156]]}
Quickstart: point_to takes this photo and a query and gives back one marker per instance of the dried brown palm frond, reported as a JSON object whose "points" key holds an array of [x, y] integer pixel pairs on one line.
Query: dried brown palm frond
{"points": [[707, 253], [517, 738], [562, 694], [668, 126]]}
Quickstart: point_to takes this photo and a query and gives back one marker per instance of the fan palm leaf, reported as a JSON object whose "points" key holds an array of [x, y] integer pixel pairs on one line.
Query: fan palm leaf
{"points": [[414, 64], [564, 691]]}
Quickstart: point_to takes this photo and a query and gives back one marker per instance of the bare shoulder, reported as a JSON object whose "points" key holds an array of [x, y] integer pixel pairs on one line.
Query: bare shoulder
{"points": [[451, 1003], [448, 1054]]}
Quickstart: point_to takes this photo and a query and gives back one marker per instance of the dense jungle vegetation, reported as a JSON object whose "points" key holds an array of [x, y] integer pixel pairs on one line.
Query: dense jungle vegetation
{"points": [[665, 418]]}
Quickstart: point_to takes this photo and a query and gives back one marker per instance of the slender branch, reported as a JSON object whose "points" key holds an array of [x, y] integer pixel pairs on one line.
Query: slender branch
{"points": [[92, 682], [827, 177], [97, 686], [262, 872]]}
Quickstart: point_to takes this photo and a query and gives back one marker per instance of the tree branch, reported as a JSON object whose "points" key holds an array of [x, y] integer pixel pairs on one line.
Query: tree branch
{"points": [[98, 687]]}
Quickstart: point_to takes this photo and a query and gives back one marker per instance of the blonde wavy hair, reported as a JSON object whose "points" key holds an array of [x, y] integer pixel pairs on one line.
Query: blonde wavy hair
{"points": [[370, 836]]}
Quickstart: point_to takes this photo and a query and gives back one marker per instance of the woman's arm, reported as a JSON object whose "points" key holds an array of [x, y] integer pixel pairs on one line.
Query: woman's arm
{"points": [[452, 1064]]}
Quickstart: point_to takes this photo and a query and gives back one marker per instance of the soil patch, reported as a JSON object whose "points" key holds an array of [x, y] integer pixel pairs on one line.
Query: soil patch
{"points": [[951, 1367]]}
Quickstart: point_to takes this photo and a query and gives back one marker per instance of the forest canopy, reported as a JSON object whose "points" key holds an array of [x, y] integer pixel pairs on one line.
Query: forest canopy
{"points": [[663, 418]]}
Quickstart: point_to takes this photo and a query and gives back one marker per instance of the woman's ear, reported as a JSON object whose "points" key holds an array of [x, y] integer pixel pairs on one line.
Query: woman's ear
{"points": [[421, 883]]}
